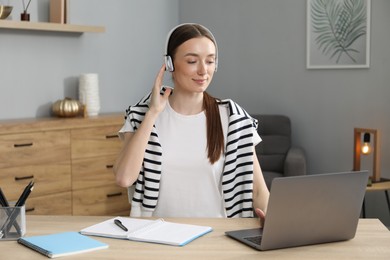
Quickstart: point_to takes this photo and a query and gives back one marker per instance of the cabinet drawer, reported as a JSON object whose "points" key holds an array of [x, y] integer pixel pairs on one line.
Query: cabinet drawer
{"points": [[107, 200], [98, 141], [54, 204], [34, 148], [93, 172], [48, 178]]}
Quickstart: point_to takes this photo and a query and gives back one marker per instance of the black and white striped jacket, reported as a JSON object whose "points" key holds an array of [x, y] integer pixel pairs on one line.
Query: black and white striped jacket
{"points": [[237, 178]]}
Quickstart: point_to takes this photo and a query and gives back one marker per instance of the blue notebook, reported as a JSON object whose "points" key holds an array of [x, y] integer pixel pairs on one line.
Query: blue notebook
{"points": [[61, 244]]}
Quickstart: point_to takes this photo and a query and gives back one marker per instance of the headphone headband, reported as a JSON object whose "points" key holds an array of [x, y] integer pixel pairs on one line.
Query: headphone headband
{"points": [[168, 58]]}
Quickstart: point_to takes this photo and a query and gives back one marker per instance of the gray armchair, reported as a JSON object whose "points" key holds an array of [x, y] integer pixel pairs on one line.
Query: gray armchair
{"points": [[276, 156]]}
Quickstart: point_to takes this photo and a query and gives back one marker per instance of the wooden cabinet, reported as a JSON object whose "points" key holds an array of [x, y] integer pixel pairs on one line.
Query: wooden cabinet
{"points": [[34, 148], [94, 152], [70, 161], [40, 156], [59, 203], [103, 200], [98, 141]]}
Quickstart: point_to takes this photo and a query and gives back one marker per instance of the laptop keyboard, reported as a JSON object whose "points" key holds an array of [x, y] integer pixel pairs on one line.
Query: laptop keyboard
{"points": [[256, 239]]}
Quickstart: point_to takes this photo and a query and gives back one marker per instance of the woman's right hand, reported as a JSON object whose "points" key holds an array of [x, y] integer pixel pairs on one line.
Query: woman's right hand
{"points": [[158, 102], [129, 162]]}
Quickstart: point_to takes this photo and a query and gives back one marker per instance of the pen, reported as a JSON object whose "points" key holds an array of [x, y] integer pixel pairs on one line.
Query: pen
{"points": [[119, 224], [3, 200], [22, 199]]}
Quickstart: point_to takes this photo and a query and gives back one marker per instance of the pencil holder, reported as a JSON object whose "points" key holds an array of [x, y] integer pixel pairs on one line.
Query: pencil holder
{"points": [[12, 222]]}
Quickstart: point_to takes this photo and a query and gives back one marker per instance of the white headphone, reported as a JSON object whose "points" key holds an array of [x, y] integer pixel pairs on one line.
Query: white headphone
{"points": [[168, 58]]}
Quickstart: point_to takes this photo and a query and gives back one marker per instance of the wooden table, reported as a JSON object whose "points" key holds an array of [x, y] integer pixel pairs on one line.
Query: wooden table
{"points": [[372, 241]]}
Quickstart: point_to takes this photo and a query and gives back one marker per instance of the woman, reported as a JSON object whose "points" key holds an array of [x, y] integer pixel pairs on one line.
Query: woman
{"points": [[189, 154]]}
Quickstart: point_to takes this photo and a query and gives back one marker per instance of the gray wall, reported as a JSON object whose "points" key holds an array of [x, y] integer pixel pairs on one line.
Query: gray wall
{"points": [[38, 68], [262, 48]]}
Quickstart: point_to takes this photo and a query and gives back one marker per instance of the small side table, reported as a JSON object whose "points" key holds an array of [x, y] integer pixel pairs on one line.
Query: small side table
{"points": [[378, 186]]}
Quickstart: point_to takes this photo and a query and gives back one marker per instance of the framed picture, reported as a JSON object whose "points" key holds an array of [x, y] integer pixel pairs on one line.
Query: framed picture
{"points": [[338, 34]]}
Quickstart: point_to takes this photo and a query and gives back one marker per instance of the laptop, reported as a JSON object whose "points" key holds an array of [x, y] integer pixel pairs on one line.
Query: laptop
{"points": [[309, 209]]}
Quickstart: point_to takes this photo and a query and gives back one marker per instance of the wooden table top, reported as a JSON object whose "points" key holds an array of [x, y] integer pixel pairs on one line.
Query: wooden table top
{"points": [[372, 240]]}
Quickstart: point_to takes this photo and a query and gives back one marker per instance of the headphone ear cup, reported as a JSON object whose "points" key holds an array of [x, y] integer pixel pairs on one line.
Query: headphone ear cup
{"points": [[169, 63]]}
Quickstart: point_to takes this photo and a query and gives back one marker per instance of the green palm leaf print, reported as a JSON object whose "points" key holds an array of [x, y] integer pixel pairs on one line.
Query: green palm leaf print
{"points": [[338, 24]]}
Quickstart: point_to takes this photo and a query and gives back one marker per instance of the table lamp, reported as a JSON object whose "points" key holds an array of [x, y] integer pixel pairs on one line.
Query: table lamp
{"points": [[365, 149]]}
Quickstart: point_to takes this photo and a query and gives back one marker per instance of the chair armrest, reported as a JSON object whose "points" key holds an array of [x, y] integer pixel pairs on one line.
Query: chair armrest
{"points": [[295, 163]]}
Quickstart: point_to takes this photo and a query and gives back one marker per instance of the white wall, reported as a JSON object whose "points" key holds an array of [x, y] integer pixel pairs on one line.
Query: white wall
{"points": [[262, 49]]}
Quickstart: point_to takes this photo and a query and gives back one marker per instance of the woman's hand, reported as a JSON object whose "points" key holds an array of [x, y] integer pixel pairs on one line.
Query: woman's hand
{"points": [[129, 161], [158, 102], [261, 215]]}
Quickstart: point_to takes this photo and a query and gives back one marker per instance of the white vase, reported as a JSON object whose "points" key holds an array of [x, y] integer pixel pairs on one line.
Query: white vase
{"points": [[89, 93]]}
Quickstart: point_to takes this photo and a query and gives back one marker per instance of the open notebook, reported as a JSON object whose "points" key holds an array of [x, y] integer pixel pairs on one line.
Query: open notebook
{"points": [[146, 230]]}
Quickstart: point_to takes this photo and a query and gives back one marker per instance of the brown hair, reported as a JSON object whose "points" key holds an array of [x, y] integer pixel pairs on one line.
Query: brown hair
{"points": [[184, 33], [215, 139]]}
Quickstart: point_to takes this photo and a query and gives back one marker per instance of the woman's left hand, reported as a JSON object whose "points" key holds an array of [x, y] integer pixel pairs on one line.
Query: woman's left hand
{"points": [[261, 215]]}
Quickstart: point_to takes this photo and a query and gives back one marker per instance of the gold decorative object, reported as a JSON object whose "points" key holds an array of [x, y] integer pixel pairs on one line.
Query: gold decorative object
{"points": [[5, 11], [67, 108]]}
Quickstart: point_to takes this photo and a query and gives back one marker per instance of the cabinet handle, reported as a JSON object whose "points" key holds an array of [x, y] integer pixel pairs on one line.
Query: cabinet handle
{"points": [[114, 194], [109, 166], [112, 136], [23, 145], [30, 209], [24, 178]]}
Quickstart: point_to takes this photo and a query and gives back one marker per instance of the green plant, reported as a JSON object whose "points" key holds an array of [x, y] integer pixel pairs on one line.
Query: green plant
{"points": [[338, 24]]}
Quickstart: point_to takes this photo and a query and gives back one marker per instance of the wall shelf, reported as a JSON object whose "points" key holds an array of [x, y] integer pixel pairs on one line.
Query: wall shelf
{"points": [[51, 27]]}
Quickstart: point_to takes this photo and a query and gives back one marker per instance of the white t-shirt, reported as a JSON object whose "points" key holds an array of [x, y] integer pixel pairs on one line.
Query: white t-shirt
{"points": [[190, 186]]}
